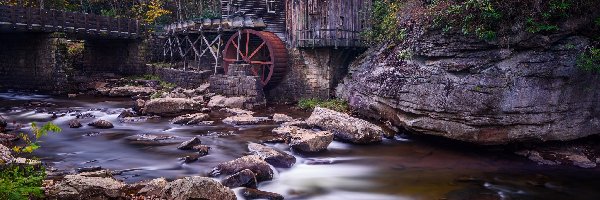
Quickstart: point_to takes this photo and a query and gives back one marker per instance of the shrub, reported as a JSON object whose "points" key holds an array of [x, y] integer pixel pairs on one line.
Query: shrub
{"points": [[385, 24], [333, 104], [24, 183], [589, 60]]}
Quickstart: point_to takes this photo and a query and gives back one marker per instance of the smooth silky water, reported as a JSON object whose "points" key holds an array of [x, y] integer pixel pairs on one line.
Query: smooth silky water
{"points": [[407, 167]]}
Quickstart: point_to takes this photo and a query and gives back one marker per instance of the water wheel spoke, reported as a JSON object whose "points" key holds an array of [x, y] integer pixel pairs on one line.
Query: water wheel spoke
{"points": [[247, 43], [257, 49], [238, 50], [230, 59]]}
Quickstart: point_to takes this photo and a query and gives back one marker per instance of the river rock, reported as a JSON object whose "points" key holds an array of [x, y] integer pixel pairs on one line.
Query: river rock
{"points": [[244, 120], [138, 106], [126, 113], [250, 193], [244, 178], [190, 119], [154, 139], [237, 111], [306, 140], [7, 138], [187, 145], [101, 124], [129, 91], [201, 149], [152, 189], [261, 169], [345, 127], [281, 118], [75, 124], [461, 87], [272, 156], [5, 155], [196, 187], [3, 124], [171, 106], [86, 187]]}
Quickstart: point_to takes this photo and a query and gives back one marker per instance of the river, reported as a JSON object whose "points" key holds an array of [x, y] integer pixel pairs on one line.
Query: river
{"points": [[407, 167]]}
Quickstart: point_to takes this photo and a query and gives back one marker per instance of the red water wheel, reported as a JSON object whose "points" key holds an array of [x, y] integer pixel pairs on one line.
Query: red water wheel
{"points": [[264, 51]]}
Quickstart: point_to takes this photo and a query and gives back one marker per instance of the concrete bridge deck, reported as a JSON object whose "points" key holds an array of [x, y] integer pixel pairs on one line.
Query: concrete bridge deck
{"points": [[79, 25]]}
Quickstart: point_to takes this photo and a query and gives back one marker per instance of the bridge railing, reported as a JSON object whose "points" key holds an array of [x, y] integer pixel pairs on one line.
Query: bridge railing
{"points": [[35, 19]]}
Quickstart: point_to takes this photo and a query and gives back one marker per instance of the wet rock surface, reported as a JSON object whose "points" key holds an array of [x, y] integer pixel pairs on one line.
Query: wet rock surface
{"points": [[244, 178], [85, 186], [282, 118], [3, 124], [129, 91], [101, 124], [250, 193], [7, 138], [272, 156], [75, 124], [191, 119], [261, 169], [154, 139], [245, 119], [460, 87], [197, 188], [187, 145], [345, 127], [171, 106], [305, 140]]}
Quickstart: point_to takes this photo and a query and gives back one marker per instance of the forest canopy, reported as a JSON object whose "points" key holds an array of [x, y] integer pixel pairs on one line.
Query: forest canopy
{"points": [[149, 11]]}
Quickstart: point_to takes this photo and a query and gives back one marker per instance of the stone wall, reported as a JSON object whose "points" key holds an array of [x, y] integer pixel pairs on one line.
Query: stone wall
{"points": [[124, 57], [31, 61], [237, 83], [186, 79], [313, 73]]}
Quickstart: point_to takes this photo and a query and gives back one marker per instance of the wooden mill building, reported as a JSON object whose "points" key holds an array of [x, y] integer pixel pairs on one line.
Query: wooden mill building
{"points": [[308, 23], [297, 47]]}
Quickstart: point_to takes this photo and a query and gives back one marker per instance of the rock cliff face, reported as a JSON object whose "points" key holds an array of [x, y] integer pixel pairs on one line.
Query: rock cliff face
{"points": [[466, 89]]}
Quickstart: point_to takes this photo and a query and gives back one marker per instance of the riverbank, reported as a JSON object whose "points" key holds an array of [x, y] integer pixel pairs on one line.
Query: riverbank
{"points": [[404, 167]]}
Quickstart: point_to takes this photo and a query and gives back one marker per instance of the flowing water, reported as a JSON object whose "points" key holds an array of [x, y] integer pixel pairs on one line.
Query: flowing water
{"points": [[407, 167]]}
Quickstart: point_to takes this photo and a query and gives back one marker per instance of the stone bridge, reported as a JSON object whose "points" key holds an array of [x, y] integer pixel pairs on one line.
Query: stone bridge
{"points": [[33, 46]]}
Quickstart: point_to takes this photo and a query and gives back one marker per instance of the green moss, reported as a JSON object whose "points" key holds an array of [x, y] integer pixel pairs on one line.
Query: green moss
{"points": [[333, 104], [589, 60]]}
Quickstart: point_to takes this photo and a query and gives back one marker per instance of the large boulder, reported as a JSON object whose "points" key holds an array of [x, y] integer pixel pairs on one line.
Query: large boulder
{"points": [[87, 186], [151, 189], [345, 127], [272, 156], [187, 145], [261, 169], [305, 140], [196, 187], [467, 89], [129, 91], [171, 106]]}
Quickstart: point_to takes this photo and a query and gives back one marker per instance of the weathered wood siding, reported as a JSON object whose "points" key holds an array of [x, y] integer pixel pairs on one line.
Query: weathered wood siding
{"points": [[327, 23], [258, 8]]}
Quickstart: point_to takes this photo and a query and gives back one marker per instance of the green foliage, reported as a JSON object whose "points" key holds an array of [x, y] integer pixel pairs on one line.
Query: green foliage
{"points": [[478, 17], [32, 144], [333, 104], [167, 86], [589, 60], [21, 182], [385, 25]]}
